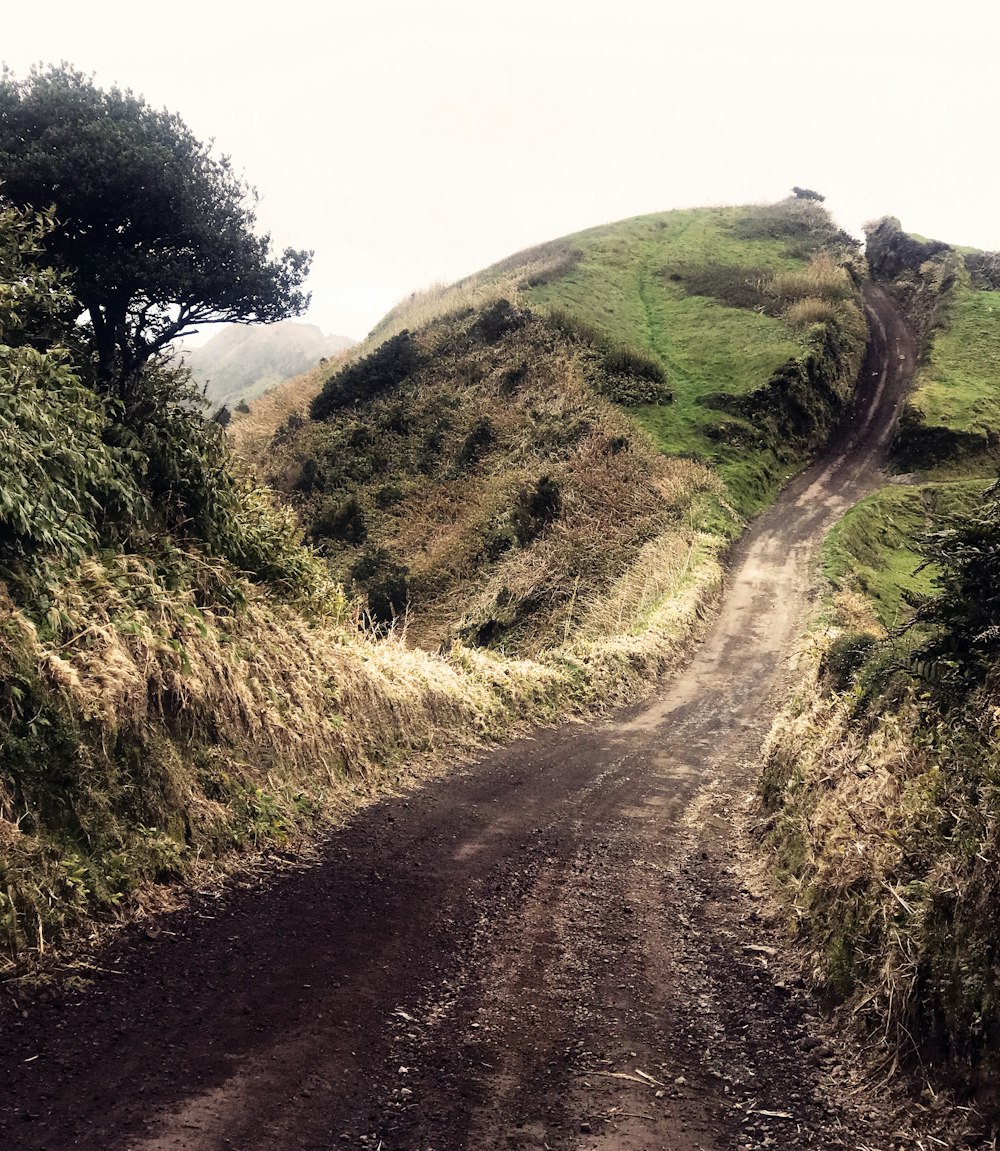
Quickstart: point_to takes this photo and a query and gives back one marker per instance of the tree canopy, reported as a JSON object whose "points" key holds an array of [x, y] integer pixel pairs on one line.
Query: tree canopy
{"points": [[155, 233]]}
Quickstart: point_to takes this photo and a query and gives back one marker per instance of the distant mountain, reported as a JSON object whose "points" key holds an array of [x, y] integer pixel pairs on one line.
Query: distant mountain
{"points": [[241, 362]]}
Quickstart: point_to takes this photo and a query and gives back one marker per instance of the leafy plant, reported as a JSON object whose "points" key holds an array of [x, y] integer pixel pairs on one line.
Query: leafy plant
{"points": [[964, 613], [386, 583]]}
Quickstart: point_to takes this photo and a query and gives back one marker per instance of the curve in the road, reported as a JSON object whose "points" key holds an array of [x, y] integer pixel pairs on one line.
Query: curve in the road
{"points": [[551, 949]]}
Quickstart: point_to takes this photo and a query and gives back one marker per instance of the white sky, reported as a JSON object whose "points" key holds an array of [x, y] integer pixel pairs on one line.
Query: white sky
{"points": [[416, 141]]}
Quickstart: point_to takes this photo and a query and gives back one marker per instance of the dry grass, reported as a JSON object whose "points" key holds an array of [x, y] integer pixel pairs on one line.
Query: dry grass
{"points": [[823, 278], [811, 310], [229, 730], [885, 830]]}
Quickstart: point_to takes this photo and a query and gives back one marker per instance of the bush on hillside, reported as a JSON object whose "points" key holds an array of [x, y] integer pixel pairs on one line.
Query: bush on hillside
{"points": [[984, 268], [390, 365], [536, 509], [845, 657], [343, 521], [631, 377], [964, 614], [891, 251], [482, 435], [385, 581], [497, 320]]}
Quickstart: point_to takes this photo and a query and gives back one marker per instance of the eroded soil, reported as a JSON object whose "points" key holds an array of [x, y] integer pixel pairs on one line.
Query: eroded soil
{"points": [[558, 947]]}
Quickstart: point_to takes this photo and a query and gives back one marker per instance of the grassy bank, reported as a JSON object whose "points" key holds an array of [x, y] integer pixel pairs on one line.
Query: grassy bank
{"points": [[879, 780]]}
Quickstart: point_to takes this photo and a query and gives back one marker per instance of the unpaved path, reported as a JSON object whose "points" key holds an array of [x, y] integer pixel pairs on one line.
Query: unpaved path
{"points": [[553, 949]]}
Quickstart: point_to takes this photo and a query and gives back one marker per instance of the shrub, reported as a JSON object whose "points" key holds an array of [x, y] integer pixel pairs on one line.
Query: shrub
{"points": [[845, 657], [811, 310], [498, 319], [622, 359], [387, 367], [481, 436], [388, 494], [822, 278], [731, 284], [630, 377], [386, 583], [984, 268], [512, 379], [341, 521]]}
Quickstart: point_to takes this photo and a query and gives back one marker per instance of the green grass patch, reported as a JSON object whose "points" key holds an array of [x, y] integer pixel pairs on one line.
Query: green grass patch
{"points": [[953, 423], [631, 283], [875, 547], [620, 284]]}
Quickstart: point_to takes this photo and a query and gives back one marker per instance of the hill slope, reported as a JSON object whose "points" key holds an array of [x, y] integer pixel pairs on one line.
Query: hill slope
{"points": [[500, 459], [242, 362]]}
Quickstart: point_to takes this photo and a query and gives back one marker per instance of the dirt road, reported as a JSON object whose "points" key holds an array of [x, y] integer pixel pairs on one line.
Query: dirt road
{"points": [[552, 949]]}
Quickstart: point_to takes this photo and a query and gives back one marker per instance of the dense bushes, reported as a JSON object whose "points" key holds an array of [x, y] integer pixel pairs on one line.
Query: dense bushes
{"points": [[385, 581], [891, 251], [387, 367], [631, 377]]}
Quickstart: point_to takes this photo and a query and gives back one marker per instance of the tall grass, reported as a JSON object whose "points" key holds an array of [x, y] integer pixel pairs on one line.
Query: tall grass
{"points": [[230, 730]]}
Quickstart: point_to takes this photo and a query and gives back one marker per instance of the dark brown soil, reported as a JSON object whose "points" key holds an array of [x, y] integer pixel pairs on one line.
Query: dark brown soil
{"points": [[557, 947]]}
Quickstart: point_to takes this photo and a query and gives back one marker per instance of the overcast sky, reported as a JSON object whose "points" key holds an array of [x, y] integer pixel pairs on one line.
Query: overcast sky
{"points": [[415, 141]]}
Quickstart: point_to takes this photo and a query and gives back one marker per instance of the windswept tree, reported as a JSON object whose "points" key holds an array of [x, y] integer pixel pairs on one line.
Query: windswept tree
{"points": [[155, 233]]}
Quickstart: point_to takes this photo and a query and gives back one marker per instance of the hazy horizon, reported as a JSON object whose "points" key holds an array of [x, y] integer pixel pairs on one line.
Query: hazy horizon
{"points": [[410, 144]]}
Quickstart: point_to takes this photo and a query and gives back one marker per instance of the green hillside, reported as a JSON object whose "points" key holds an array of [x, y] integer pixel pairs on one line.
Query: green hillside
{"points": [[661, 375], [723, 298]]}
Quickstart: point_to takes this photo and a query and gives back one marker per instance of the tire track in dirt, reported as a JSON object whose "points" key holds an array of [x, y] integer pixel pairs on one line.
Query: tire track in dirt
{"points": [[555, 948]]}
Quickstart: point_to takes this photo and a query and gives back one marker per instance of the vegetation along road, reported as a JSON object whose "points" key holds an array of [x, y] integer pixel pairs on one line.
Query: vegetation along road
{"points": [[559, 947]]}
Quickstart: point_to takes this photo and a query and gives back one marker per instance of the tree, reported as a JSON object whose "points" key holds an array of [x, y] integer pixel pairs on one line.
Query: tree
{"points": [[807, 194], [155, 233]]}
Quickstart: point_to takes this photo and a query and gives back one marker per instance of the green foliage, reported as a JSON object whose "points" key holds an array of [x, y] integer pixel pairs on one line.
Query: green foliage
{"points": [[964, 612], [63, 487], [845, 657], [156, 233], [631, 377], [386, 583], [807, 194], [390, 365]]}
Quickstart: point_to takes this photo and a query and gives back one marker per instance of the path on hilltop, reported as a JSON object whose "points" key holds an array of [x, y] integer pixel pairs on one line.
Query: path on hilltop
{"points": [[552, 949]]}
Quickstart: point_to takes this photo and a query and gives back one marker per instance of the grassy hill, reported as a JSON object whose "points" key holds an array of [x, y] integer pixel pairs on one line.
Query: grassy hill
{"points": [[499, 455], [880, 778]]}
